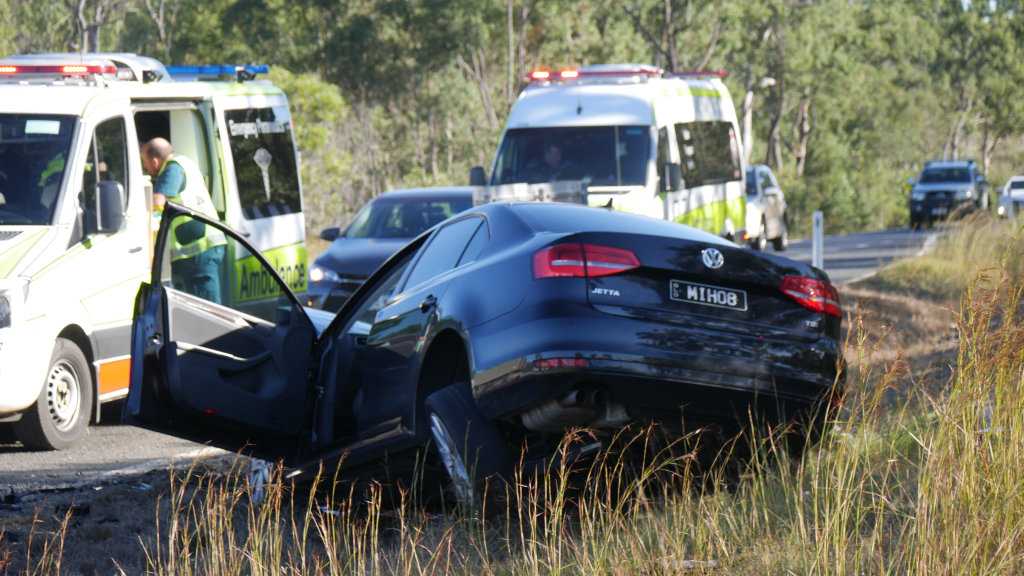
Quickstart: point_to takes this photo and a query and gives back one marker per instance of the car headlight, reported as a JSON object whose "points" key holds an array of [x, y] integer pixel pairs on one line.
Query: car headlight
{"points": [[964, 194], [318, 274], [917, 196]]}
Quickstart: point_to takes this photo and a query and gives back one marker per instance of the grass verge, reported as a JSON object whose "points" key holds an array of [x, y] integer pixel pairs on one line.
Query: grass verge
{"points": [[919, 474]]}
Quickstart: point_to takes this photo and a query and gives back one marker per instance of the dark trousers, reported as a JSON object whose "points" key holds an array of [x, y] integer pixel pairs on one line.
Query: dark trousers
{"points": [[200, 275]]}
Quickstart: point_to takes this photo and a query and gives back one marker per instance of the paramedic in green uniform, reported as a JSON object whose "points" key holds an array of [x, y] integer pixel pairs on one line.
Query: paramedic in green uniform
{"points": [[197, 250]]}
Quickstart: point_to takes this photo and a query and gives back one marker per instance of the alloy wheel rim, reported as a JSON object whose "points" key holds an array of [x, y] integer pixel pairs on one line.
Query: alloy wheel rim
{"points": [[452, 460], [63, 395]]}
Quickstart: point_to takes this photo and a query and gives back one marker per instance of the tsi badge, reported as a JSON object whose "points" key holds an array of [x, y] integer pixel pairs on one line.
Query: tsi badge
{"points": [[712, 258]]}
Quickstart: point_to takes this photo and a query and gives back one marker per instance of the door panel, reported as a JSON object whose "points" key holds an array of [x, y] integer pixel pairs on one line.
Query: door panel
{"points": [[208, 371]]}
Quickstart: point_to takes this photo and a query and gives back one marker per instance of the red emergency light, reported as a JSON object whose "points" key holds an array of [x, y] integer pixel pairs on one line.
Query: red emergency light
{"points": [[546, 75], [62, 69]]}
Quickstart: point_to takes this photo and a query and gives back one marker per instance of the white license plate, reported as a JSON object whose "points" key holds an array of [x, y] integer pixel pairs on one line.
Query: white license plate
{"points": [[707, 295], [938, 211]]}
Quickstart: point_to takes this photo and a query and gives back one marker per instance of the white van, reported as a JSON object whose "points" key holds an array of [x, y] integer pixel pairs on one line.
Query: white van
{"points": [[635, 138], [76, 224]]}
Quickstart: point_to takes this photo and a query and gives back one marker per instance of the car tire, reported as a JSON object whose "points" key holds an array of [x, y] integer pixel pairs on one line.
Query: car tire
{"points": [[60, 416], [760, 243], [469, 445], [781, 242]]}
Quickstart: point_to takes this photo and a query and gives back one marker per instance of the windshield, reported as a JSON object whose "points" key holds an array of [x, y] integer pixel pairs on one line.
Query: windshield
{"points": [[33, 152], [1017, 185], [751, 183], [601, 155], [403, 218], [938, 175]]}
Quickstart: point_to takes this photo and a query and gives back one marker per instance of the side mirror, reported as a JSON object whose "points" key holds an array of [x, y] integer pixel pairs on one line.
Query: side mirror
{"points": [[330, 234], [911, 181], [477, 176], [672, 178], [111, 207]]}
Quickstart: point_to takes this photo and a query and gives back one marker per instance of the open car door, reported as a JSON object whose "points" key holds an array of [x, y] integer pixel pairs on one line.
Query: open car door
{"points": [[227, 365]]}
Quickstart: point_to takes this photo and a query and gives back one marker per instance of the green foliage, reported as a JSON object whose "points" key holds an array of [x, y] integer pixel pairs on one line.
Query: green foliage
{"points": [[862, 91]]}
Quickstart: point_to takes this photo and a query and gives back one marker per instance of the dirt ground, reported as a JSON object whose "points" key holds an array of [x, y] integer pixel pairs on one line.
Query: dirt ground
{"points": [[110, 525]]}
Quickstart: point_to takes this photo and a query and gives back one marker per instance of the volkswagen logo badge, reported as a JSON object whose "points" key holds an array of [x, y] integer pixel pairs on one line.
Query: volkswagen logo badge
{"points": [[712, 258]]}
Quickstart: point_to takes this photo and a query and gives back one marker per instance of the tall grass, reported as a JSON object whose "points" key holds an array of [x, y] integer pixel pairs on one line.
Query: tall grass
{"points": [[928, 486]]}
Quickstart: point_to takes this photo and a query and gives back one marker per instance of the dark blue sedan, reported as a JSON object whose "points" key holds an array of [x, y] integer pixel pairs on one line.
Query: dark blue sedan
{"points": [[383, 226], [503, 326]]}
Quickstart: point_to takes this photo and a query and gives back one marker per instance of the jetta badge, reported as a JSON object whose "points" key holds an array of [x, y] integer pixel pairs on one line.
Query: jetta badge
{"points": [[712, 258]]}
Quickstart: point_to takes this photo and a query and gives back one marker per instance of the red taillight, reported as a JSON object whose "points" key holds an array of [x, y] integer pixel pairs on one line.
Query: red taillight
{"points": [[813, 294], [581, 261]]}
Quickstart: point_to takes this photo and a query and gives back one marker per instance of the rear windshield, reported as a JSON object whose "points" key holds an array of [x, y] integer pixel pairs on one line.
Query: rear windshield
{"points": [[33, 154], [568, 218], [403, 218], [1017, 185], [939, 175]]}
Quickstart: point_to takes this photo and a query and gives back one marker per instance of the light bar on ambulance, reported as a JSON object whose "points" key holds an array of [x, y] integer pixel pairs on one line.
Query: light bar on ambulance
{"points": [[548, 75], [217, 71], [62, 69]]}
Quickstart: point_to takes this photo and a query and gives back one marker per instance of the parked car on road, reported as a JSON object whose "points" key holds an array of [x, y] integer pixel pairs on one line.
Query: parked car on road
{"points": [[766, 210], [506, 324], [384, 225], [945, 188], [1011, 198]]}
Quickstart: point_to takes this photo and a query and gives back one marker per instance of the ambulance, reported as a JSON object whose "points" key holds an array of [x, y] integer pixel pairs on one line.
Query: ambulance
{"points": [[77, 225], [628, 137]]}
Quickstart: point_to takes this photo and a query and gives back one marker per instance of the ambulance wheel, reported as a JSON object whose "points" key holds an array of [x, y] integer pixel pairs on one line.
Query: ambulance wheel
{"points": [[60, 415]]}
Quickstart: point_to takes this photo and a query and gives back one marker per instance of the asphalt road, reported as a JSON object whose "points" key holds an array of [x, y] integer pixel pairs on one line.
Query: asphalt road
{"points": [[854, 256], [111, 450]]}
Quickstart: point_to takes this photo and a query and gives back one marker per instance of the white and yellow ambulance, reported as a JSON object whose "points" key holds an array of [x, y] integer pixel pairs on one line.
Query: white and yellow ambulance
{"points": [[76, 222], [635, 139]]}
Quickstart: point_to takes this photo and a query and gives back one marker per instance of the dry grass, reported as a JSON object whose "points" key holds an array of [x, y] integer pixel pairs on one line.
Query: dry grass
{"points": [[920, 474]]}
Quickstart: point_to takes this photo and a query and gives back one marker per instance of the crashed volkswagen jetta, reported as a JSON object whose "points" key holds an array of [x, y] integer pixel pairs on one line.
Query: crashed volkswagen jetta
{"points": [[498, 328]]}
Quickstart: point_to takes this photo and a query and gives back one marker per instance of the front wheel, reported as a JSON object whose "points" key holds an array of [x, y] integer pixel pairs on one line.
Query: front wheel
{"points": [[761, 242], [781, 242], [469, 445], [60, 415]]}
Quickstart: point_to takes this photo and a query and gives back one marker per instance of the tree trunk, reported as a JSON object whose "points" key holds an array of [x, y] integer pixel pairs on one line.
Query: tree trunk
{"points": [[748, 120], [803, 134]]}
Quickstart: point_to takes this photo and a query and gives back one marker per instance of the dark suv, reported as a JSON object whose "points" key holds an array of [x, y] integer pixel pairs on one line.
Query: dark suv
{"points": [[945, 188]]}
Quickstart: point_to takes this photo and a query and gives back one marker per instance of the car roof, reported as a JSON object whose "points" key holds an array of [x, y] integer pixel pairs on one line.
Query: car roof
{"points": [[429, 192]]}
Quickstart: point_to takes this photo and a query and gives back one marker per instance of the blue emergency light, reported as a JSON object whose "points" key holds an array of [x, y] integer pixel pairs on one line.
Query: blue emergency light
{"points": [[217, 71]]}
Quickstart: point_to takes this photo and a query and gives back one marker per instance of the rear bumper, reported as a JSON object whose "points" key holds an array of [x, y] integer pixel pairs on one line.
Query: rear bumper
{"points": [[652, 369]]}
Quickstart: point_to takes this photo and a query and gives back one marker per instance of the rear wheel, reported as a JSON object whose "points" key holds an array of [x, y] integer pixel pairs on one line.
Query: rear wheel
{"points": [[469, 445], [61, 413]]}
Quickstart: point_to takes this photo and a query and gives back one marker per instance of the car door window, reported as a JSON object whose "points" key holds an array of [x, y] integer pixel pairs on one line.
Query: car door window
{"points": [[205, 262], [106, 161], [476, 245], [443, 251]]}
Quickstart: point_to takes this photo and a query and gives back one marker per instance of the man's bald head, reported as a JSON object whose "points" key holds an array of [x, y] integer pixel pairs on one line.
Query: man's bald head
{"points": [[154, 154]]}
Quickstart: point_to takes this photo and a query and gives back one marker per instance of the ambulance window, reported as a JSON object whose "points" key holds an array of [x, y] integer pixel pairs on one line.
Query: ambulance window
{"points": [[709, 152], [264, 161]]}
